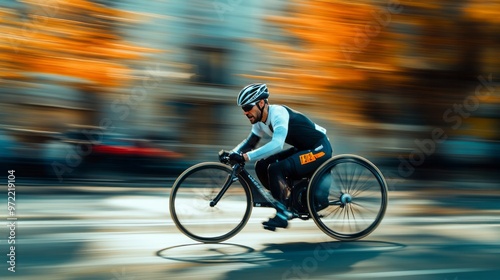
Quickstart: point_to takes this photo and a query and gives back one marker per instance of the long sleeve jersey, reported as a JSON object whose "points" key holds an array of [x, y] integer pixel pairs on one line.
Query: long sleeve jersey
{"points": [[284, 125]]}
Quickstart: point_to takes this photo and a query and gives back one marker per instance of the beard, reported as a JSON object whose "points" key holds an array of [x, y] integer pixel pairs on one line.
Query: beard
{"points": [[252, 118]]}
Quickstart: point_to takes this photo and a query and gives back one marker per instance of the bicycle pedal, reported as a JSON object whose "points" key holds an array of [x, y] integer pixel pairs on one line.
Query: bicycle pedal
{"points": [[270, 228]]}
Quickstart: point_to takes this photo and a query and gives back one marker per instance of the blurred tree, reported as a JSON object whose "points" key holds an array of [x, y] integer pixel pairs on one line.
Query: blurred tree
{"points": [[332, 52], [365, 62], [485, 17], [76, 39], [75, 45]]}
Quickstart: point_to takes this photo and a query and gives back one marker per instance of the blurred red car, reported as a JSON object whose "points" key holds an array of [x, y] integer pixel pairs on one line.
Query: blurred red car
{"points": [[117, 153], [134, 148]]}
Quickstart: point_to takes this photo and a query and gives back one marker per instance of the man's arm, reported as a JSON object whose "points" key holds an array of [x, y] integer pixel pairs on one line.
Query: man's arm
{"points": [[279, 121], [248, 144], [275, 145]]}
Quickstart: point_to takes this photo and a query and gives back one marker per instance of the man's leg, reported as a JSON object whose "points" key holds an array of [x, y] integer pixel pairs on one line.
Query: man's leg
{"points": [[261, 166], [277, 174], [296, 166]]}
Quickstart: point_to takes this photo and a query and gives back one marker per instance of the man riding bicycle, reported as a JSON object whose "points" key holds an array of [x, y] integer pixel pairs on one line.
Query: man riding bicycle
{"points": [[275, 165]]}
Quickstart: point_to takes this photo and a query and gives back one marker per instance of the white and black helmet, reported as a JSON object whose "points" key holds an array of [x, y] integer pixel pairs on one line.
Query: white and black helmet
{"points": [[252, 93]]}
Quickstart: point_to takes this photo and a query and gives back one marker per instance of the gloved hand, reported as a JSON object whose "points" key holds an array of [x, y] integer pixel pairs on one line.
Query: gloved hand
{"points": [[224, 156], [236, 157]]}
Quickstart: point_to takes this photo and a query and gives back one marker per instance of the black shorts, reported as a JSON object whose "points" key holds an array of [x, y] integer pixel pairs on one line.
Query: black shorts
{"points": [[305, 163], [298, 163]]}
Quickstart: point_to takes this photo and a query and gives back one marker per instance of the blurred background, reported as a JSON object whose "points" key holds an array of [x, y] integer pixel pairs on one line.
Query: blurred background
{"points": [[104, 89]]}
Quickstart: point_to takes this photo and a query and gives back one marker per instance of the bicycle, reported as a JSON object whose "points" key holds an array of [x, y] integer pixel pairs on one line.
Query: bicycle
{"points": [[346, 197]]}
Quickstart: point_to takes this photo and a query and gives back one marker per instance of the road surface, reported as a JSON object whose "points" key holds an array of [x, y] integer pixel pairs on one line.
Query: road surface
{"points": [[125, 233]]}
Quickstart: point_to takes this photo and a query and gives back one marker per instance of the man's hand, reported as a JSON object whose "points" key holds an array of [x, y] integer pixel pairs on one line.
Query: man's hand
{"points": [[224, 156], [236, 158], [230, 157]]}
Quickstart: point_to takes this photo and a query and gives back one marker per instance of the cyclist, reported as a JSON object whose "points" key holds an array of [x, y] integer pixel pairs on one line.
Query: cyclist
{"points": [[310, 146]]}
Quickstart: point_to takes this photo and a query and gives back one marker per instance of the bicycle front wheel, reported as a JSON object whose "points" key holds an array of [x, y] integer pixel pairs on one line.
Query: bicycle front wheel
{"points": [[190, 207], [347, 197]]}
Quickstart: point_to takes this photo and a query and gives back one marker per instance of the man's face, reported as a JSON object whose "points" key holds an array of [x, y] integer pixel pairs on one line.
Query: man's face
{"points": [[253, 114]]}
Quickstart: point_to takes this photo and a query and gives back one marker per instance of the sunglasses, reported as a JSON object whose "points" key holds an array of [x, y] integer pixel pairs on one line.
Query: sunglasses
{"points": [[248, 107]]}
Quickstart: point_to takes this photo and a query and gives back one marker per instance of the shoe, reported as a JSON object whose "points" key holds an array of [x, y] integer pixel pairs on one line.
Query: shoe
{"points": [[277, 221], [270, 228]]}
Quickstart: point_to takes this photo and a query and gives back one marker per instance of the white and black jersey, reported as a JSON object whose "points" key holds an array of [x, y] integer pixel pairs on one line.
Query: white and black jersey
{"points": [[284, 125]]}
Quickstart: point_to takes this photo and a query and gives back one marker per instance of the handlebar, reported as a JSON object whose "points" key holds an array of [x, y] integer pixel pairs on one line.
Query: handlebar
{"points": [[225, 157]]}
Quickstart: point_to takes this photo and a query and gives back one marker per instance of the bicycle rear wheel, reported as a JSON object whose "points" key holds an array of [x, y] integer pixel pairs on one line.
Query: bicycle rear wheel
{"points": [[347, 197], [190, 199]]}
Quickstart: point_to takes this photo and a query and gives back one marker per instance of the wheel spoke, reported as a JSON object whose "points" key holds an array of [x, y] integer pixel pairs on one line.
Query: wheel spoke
{"points": [[364, 207], [367, 182], [333, 211], [342, 183], [335, 202], [354, 180]]}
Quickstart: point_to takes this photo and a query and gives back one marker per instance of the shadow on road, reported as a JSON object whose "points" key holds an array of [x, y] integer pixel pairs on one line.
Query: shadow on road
{"points": [[281, 261]]}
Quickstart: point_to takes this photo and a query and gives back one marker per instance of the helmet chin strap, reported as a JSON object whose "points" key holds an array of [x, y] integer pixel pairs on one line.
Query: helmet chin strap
{"points": [[261, 109]]}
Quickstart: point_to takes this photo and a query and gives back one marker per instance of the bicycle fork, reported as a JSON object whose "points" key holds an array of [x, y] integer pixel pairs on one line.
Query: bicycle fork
{"points": [[233, 177]]}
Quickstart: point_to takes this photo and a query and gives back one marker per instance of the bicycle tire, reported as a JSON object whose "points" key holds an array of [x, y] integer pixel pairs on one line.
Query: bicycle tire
{"points": [[190, 208], [336, 216]]}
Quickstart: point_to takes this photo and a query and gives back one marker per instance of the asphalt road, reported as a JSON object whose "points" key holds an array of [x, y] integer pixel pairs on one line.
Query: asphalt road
{"points": [[126, 233]]}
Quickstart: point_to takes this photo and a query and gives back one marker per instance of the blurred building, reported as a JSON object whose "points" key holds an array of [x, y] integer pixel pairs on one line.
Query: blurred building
{"points": [[177, 80], [183, 94], [209, 49]]}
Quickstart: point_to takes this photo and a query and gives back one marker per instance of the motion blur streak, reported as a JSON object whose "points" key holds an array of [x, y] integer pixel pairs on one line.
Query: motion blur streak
{"points": [[411, 85]]}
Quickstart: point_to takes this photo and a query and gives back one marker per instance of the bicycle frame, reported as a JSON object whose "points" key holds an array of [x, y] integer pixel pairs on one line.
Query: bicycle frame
{"points": [[260, 196]]}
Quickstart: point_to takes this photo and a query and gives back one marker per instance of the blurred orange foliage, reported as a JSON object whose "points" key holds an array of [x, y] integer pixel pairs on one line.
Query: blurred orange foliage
{"points": [[336, 47], [76, 38], [352, 58]]}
